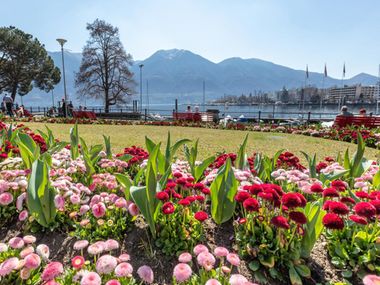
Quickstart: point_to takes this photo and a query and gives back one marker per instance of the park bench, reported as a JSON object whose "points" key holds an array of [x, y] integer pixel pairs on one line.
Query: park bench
{"points": [[193, 117], [368, 121], [84, 115]]}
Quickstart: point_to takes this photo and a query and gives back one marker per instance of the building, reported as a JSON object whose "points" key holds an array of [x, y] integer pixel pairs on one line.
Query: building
{"points": [[354, 94]]}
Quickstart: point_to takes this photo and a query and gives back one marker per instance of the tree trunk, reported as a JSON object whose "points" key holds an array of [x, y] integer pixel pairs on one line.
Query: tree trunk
{"points": [[14, 92]]}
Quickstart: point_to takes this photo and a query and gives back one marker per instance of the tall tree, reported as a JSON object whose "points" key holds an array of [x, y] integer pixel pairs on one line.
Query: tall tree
{"points": [[24, 63], [104, 71]]}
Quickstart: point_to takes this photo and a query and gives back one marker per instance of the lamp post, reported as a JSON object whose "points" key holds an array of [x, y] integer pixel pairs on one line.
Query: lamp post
{"points": [[62, 42], [141, 66]]}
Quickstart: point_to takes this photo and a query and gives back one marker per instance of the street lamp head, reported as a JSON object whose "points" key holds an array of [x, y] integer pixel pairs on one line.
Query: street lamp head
{"points": [[61, 41], [141, 65]]}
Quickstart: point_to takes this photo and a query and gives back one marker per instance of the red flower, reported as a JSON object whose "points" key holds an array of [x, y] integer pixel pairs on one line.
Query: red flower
{"points": [[171, 184], [190, 179], [168, 208], [316, 188], [298, 217], [199, 186], [330, 192], [320, 166], [242, 221], [347, 200], [251, 205], [206, 191], [365, 209], [163, 196], [242, 196], [362, 194], [333, 221], [291, 200], [376, 204], [255, 189], [303, 199], [199, 198], [374, 195], [280, 222], [184, 202], [181, 181], [177, 174], [338, 185], [359, 220], [201, 216], [338, 208]]}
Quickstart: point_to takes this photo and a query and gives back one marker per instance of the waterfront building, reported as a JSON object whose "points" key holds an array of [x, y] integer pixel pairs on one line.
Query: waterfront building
{"points": [[355, 94]]}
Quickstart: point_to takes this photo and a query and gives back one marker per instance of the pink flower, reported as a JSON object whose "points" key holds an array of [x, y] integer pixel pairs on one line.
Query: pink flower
{"points": [[99, 210], [220, 251], [91, 278], [80, 244], [371, 280], [77, 261], [111, 244], [124, 269], [26, 251], [226, 269], [113, 282], [185, 257], [206, 260], [133, 209], [52, 270], [16, 242], [146, 274], [75, 199], [59, 202], [3, 247], [182, 272], [213, 282], [84, 209], [20, 201], [124, 257], [96, 248], [106, 264], [8, 266], [28, 239], [32, 261], [233, 258], [43, 251], [237, 279], [120, 203], [200, 248], [6, 198], [23, 215], [25, 273]]}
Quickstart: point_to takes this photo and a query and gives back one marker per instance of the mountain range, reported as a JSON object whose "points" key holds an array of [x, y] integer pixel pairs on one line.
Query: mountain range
{"points": [[180, 74]]}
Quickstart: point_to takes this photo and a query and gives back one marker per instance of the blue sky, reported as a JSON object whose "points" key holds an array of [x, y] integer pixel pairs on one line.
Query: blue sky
{"points": [[288, 32]]}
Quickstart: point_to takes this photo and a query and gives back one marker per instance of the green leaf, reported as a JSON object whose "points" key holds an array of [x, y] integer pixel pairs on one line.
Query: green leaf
{"points": [[29, 150], [107, 143], [268, 261], [126, 183], [376, 180], [254, 265], [200, 169], [223, 190], [241, 159], [40, 196], [295, 279], [303, 270], [74, 149]]}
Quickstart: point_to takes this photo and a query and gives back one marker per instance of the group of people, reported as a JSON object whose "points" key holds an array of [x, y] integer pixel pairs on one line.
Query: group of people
{"points": [[362, 112], [9, 108]]}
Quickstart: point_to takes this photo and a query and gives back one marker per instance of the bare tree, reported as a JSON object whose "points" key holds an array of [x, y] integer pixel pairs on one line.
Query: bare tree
{"points": [[104, 71]]}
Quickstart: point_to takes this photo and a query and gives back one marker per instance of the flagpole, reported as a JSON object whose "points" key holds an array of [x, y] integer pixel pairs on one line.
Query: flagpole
{"points": [[303, 93], [323, 88]]}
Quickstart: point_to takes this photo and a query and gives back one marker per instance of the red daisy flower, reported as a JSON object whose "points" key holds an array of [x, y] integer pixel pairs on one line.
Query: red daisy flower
{"points": [[316, 188], [242, 196], [338, 208], [330, 192], [201, 216], [168, 208], [359, 220], [338, 185], [298, 217], [251, 205], [333, 221], [280, 222], [365, 209], [291, 200]]}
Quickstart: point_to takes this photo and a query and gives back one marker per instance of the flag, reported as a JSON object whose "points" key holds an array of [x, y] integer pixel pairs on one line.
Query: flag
{"points": [[344, 69], [325, 70], [307, 72]]}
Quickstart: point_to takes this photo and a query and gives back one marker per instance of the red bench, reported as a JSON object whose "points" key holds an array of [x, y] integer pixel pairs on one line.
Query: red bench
{"points": [[369, 121], [84, 115], [193, 117]]}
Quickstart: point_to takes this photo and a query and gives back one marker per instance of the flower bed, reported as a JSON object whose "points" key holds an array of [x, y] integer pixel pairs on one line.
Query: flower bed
{"points": [[229, 219]]}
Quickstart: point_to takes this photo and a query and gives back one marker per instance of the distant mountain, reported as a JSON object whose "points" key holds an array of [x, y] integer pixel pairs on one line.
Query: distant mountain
{"points": [[180, 74]]}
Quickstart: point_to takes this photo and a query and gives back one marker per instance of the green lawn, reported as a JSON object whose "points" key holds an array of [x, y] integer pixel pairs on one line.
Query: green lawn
{"points": [[211, 141]]}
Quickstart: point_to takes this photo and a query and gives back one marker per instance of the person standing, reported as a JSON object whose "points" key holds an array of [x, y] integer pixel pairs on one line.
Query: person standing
{"points": [[64, 109], [8, 101]]}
